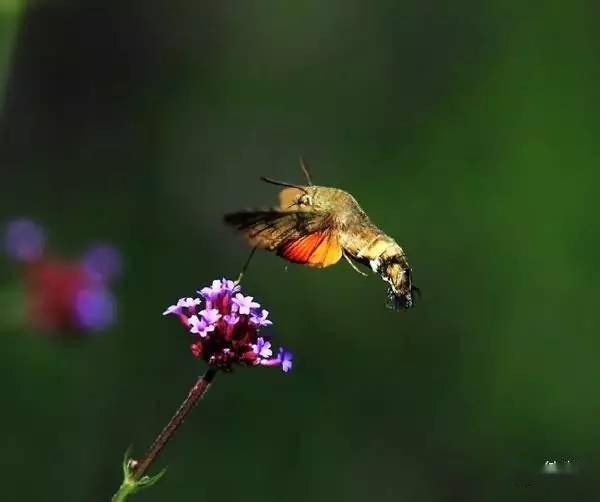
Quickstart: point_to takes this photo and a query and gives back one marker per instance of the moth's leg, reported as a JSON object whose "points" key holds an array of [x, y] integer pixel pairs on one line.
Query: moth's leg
{"points": [[245, 267], [349, 260]]}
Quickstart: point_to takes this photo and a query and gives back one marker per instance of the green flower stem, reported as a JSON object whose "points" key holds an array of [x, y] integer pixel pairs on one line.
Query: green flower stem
{"points": [[134, 477], [124, 491]]}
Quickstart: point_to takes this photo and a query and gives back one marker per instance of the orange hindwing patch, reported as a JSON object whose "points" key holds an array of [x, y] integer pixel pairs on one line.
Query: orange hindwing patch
{"points": [[318, 249]]}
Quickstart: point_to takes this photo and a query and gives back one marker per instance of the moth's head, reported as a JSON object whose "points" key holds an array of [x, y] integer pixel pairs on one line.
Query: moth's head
{"points": [[400, 293], [299, 197], [320, 198]]}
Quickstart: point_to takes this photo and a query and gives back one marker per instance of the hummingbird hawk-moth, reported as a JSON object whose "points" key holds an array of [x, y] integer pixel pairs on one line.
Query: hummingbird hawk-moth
{"points": [[316, 225]]}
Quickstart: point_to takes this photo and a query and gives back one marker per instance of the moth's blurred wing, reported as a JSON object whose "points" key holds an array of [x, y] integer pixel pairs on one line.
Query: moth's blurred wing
{"points": [[305, 237], [318, 249], [270, 228]]}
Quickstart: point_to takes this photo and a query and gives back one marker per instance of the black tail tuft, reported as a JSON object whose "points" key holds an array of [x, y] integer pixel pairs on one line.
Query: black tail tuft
{"points": [[400, 301]]}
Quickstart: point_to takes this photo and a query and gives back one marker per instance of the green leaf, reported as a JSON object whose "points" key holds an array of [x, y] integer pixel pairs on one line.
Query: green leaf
{"points": [[147, 481]]}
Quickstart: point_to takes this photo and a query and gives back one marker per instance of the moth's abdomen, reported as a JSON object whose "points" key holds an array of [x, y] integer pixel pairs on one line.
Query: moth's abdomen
{"points": [[383, 255], [366, 243]]}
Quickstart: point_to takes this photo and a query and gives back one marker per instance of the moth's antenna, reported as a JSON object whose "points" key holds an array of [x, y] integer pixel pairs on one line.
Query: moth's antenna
{"points": [[282, 183], [245, 267], [305, 170]]}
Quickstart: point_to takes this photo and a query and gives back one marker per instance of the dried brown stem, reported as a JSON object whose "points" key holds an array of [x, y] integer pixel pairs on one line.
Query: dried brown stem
{"points": [[196, 392]]}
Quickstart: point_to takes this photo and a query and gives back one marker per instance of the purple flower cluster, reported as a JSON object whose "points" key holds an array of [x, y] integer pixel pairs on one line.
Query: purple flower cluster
{"points": [[226, 326], [64, 295]]}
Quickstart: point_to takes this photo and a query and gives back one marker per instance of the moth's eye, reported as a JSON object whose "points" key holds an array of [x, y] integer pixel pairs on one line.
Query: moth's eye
{"points": [[305, 200]]}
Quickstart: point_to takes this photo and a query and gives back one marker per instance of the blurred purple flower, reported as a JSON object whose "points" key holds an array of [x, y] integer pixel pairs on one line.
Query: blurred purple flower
{"points": [[63, 296], [24, 240], [95, 308], [103, 262]]}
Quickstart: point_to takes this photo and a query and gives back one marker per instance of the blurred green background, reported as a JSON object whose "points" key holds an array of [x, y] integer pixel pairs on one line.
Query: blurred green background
{"points": [[467, 130]]}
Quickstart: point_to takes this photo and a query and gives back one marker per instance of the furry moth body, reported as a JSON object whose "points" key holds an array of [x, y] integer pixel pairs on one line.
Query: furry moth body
{"points": [[316, 225]]}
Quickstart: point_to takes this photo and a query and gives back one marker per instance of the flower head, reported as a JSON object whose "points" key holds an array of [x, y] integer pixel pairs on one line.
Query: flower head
{"points": [[226, 325]]}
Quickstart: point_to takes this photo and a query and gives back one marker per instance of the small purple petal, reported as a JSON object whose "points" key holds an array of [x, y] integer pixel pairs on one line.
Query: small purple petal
{"points": [[190, 302], [245, 303], [218, 287], [24, 240], [181, 304], [229, 285], [211, 316], [95, 309], [199, 326], [211, 292], [206, 293], [195, 324], [285, 357], [262, 348], [173, 309], [260, 319], [103, 262]]}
